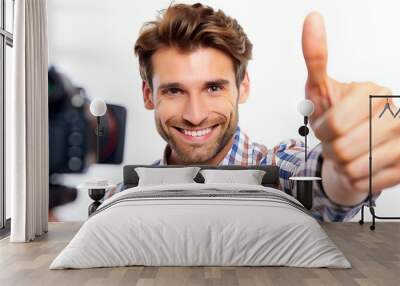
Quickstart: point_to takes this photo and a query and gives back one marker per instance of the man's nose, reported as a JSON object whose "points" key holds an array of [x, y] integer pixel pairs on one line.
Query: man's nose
{"points": [[195, 110]]}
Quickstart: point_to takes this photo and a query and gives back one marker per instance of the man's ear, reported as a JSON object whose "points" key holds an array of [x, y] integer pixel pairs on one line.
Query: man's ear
{"points": [[147, 96], [244, 88]]}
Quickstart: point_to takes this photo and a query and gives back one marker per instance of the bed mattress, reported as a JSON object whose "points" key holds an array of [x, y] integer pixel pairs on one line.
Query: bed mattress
{"points": [[201, 225]]}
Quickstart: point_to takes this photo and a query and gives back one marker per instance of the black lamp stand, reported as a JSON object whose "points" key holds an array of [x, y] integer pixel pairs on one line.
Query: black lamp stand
{"points": [[304, 184], [97, 194]]}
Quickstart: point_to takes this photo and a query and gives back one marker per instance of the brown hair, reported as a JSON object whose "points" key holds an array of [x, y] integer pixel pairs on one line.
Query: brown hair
{"points": [[188, 27]]}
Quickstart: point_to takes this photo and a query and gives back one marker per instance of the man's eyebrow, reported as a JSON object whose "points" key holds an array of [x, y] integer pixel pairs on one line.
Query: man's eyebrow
{"points": [[170, 85], [217, 82]]}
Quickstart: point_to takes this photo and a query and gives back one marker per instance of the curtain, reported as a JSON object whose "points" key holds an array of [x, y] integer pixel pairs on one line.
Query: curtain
{"points": [[27, 122]]}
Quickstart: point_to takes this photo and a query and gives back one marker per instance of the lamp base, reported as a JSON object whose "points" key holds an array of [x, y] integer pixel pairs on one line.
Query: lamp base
{"points": [[96, 195]]}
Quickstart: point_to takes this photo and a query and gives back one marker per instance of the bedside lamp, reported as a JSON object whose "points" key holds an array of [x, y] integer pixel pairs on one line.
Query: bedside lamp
{"points": [[305, 108], [304, 184], [97, 188], [98, 108]]}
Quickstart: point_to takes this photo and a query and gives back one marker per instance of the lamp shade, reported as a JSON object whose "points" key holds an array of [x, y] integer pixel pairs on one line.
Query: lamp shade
{"points": [[98, 107], [305, 107]]}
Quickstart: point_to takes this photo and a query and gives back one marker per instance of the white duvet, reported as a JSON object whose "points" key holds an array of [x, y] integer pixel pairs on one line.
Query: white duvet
{"points": [[201, 224]]}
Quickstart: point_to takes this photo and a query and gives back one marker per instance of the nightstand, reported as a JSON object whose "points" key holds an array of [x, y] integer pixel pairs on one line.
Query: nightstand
{"points": [[304, 190]]}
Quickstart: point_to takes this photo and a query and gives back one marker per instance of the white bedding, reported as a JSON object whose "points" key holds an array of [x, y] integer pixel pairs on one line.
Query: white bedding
{"points": [[223, 224]]}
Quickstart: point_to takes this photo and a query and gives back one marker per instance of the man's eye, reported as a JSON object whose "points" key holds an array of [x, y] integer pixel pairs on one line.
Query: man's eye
{"points": [[214, 88], [172, 91]]}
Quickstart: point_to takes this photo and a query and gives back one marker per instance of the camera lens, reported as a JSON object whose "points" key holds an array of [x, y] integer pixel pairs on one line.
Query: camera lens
{"points": [[75, 151], [74, 164], [75, 139]]}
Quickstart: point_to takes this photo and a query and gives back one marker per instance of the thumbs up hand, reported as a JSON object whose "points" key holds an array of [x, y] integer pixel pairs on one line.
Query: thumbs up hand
{"points": [[341, 122]]}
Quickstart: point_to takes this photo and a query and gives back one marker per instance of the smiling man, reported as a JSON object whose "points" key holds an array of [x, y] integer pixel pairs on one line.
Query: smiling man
{"points": [[193, 62], [195, 103]]}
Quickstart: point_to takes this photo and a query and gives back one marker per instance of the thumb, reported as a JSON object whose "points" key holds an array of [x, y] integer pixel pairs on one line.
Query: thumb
{"points": [[315, 49]]}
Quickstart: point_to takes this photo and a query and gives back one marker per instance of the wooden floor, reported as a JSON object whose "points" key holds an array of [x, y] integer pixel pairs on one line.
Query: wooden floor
{"points": [[374, 255]]}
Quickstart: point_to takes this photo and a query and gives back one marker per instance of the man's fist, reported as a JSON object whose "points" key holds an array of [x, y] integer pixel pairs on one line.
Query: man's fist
{"points": [[341, 122]]}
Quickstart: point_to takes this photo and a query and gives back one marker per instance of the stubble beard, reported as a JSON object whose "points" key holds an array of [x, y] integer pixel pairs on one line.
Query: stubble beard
{"points": [[200, 153]]}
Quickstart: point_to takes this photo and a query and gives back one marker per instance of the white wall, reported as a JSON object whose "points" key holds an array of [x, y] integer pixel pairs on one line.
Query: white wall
{"points": [[92, 42]]}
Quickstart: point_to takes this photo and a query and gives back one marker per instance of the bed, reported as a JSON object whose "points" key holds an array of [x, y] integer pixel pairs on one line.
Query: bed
{"points": [[201, 224]]}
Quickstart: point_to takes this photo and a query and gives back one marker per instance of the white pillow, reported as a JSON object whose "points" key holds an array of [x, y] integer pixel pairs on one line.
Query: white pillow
{"points": [[162, 176], [249, 177]]}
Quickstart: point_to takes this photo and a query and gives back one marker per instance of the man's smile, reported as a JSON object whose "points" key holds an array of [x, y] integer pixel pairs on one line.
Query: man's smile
{"points": [[196, 134]]}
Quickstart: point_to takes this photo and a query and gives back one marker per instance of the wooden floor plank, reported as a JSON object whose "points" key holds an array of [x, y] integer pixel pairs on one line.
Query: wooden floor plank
{"points": [[374, 255]]}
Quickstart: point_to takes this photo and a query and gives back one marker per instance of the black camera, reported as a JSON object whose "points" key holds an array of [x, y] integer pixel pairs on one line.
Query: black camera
{"points": [[72, 138]]}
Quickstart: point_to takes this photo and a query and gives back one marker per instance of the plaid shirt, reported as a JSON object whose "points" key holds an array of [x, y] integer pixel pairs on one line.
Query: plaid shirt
{"points": [[289, 157]]}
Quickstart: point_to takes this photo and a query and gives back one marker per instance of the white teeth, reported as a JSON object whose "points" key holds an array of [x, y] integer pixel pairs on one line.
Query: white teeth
{"points": [[197, 133]]}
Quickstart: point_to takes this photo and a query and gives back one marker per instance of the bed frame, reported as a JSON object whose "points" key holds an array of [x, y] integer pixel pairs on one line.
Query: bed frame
{"points": [[270, 179], [131, 178]]}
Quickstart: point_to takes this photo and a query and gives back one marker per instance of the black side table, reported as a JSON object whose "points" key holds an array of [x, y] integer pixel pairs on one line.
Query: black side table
{"points": [[304, 190]]}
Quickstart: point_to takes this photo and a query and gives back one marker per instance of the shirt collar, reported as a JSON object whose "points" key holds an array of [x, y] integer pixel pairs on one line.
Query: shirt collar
{"points": [[239, 154]]}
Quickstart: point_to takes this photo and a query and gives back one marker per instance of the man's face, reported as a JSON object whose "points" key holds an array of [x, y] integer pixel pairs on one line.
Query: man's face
{"points": [[195, 99]]}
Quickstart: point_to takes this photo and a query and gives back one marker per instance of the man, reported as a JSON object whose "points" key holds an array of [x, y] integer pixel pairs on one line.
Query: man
{"points": [[193, 62]]}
